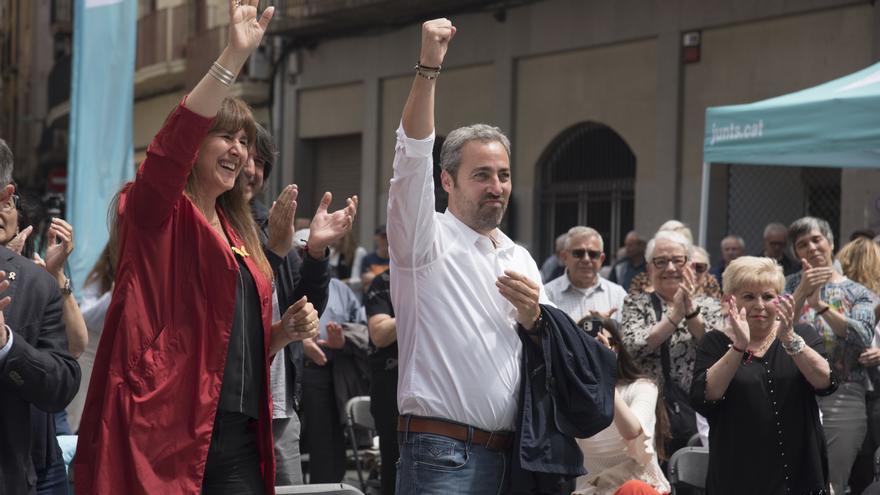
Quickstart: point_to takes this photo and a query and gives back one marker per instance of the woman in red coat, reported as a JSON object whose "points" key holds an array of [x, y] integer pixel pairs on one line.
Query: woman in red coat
{"points": [[179, 400]]}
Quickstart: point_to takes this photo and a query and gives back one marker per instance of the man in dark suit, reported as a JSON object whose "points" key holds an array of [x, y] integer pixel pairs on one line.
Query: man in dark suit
{"points": [[36, 368]]}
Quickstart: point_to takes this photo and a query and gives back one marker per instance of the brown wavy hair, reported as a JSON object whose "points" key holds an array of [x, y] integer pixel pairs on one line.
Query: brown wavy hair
{"points": [[235, 115], [104, 271], [629, 371]]}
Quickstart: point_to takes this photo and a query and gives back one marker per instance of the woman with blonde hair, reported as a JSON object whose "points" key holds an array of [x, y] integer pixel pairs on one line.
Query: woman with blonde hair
{"points": [[860, 261], [179, 399], [756, 384]]}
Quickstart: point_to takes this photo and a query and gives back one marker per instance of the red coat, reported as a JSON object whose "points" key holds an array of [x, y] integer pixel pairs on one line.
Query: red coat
{"points": [[155, 385]]}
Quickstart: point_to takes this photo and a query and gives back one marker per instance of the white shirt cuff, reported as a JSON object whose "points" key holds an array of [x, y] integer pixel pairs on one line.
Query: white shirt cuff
{"points": [[415, 148], [6, 348]]}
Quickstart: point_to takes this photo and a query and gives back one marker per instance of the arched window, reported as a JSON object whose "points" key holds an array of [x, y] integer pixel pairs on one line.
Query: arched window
{"points": [[587, 177]]}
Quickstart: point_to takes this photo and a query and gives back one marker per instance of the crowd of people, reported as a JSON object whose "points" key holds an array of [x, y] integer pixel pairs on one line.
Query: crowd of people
{"points": [[216, 340]]}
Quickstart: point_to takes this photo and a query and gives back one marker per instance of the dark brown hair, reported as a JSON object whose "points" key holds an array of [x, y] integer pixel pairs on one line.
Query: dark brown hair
{"points": [[629, 371], [104, 271], [235, 115]]}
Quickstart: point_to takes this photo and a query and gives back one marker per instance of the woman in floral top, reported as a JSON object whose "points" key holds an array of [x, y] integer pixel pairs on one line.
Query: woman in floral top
{"points": [[843, 313], [706, 284], [686, 316]]}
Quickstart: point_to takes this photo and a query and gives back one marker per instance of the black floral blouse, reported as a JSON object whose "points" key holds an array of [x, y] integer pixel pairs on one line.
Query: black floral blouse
{"points": [[637, 319]]}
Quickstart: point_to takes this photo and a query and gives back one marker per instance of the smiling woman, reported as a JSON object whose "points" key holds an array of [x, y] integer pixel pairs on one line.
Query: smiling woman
{"points": [[188, 337], [842, 310], [756, 383]]}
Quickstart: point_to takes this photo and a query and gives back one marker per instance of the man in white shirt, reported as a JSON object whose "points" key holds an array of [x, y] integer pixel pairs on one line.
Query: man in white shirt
{"points": [[580, 291], [461, 288]]}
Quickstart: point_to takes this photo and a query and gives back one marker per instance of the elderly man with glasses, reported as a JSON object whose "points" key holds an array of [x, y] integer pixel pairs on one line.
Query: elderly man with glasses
{"points": [[580, 291]]}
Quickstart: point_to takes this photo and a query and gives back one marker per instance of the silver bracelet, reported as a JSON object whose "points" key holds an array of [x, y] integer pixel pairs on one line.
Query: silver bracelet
{"points": [[794, 346], [222, 74]]}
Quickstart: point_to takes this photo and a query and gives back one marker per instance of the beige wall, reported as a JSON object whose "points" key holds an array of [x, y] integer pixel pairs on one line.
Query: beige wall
{"points": [[750, 62], [464, 96], [614, 85], [149, 115], [331, 111]]}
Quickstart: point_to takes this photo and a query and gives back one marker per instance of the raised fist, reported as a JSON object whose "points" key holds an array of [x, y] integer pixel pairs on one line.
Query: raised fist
{"points": [[436, 35]]}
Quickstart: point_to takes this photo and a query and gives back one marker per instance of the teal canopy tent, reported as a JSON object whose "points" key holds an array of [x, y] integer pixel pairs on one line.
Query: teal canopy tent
{"points": [[835, 124]]}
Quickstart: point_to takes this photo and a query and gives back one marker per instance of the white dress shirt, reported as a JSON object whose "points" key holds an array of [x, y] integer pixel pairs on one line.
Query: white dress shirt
{"points": [[459, 353], [578, 303]]}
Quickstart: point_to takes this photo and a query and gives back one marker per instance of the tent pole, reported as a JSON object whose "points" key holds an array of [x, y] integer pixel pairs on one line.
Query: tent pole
{"points": [[704, 205]]}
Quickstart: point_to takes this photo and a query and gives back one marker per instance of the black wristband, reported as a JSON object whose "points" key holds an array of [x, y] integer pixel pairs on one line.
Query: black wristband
{"points": [[693, 315], [823, 311]]}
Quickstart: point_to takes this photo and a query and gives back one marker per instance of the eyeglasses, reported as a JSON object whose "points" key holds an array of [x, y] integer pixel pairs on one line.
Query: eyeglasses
{"points": [[661, 263], [700, 267], [11, 202], [580, 253]]}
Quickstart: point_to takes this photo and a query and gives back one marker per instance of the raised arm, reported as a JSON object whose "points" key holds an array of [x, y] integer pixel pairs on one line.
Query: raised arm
{"points": [[171, 154], [245, 33], [411, 195], [418, 114]]}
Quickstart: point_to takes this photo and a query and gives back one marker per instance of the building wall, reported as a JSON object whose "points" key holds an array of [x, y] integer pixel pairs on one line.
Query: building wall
{"points": [[614, 85], [758, 60], [554, 63]]}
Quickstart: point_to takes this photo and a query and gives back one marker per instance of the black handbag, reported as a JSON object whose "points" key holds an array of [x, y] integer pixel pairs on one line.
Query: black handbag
{"points": [[682, 418]]}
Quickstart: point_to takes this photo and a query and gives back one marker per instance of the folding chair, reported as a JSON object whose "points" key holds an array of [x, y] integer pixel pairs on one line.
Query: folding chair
{"points": [[323, 489], [358, 416], [688, 468], [695, 441], [874, 488]]}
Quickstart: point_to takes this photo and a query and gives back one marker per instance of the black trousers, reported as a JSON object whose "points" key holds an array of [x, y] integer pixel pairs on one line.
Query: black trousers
{"points": [[383, 407], [322, 429], [233, 465]]}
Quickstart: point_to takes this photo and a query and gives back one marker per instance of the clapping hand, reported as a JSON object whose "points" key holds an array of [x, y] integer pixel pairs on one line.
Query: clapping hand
{"points": [[281, 217], [683, 300], [335, 337], [328, 227], [313, 351], [737, 328], [58, 247], [17, 242], [812, 279], [300, 321], [785, 315]]}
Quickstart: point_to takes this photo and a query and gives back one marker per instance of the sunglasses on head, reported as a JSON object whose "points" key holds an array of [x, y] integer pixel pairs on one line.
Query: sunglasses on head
{"points": [[580, 253], [700, 267]]}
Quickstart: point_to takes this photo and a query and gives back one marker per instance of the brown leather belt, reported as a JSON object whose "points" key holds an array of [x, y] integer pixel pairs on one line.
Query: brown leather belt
{"points": [[499, 440]]}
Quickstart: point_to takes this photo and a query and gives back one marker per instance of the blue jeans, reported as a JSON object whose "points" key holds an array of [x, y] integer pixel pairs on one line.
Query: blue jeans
{"points": [[433, 464]]}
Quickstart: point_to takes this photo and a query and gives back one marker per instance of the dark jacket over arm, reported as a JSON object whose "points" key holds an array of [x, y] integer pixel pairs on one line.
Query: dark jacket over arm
{"points": [[38, 371], [567, 392]]}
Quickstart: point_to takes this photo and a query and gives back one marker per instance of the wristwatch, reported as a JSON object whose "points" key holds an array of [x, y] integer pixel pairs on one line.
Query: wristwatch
{"points": [[68, 287]]}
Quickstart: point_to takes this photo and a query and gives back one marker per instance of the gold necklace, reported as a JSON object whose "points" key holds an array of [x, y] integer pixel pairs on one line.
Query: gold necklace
{"points": [[765, 344]]}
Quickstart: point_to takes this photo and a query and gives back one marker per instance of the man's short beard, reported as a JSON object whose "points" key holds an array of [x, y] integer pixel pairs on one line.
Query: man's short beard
{"points": [[486, 221]]}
